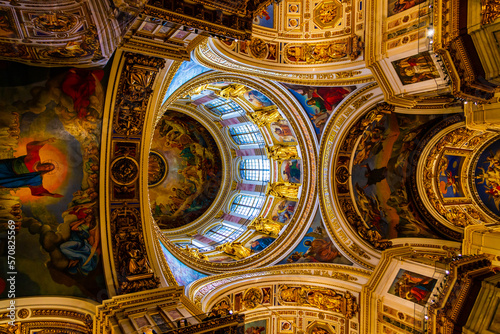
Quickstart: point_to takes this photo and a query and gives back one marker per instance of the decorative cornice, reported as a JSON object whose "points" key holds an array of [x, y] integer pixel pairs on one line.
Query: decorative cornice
{"points": [[207, 54], [202, 287]]}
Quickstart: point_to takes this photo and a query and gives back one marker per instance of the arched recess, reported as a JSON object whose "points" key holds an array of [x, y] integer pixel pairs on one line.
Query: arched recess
{"points": [[302, 128], [286, 293], [337, 193]]}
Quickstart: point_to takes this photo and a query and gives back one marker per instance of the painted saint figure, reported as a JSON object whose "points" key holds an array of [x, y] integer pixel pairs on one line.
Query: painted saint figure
{"points": [[27, 170]]}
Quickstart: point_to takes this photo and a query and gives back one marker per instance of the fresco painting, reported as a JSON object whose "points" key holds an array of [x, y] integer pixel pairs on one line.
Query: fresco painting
{"points": [[319, 102], [256, 327], [282, 132], [413, 287], [449, 176], [316, 246], [257, 99], [487, 177], [416, 68], [265, 18], [379, 174], [259, 243], [291, 171], [182, 273], [49, 165], [194, 171], [398, 6], [283, 211], [187, 71], [7, 29]]}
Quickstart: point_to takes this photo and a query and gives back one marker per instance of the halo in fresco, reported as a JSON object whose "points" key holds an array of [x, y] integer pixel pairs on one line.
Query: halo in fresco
{"points": [[487, 177], [194, 171]]}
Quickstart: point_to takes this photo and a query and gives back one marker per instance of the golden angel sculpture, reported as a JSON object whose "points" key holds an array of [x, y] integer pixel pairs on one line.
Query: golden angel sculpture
{"points": [[263, 117], [235, 249], [282, 152], [284, 190], [266, 226]]}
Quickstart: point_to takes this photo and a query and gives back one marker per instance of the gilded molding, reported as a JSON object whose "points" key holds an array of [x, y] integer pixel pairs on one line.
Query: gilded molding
{"points": [[202, 287], [128, 249], [211, 59], [335, 222]]}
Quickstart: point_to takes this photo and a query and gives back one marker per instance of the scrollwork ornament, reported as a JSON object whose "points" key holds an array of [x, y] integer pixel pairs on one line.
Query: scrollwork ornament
{"points": [[490, 11], [258, 48], [252, 298]]}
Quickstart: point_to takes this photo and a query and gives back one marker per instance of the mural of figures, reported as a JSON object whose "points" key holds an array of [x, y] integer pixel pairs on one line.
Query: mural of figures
{"points": [[257, 99], [260, 243], [413, 287], [266, 17], [316, 246], [449, 176], [49, 165], [416, 68], [283, 211], [487, 177], [282, 132], [194, 172], [291, 171], [398, 6], [319, 102], [6, 26], [256, 327], [379, 174]]}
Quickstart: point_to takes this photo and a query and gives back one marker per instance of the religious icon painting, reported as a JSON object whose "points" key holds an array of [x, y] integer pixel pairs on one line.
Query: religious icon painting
{"points": [[486, 177], [397, 6], [259, 243], [291, 171], [412, 286], [286, 326], [282, 132], [256, 327], [448, 174], [7, 29], [257, 99], [283, 211], [416, 68]]}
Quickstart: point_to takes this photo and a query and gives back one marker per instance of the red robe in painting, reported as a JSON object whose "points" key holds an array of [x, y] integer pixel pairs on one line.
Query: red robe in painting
{"points": [[80, 84]]}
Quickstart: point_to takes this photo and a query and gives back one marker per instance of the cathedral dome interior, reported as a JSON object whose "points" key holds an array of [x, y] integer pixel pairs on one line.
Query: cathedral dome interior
{"points": [[243, 167]]}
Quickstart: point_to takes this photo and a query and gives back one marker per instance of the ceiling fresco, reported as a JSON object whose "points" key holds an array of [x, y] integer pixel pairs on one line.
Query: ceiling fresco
{"points": [[487, 177], [49, 149], [193, 177], [82, 34], [380, 173]]}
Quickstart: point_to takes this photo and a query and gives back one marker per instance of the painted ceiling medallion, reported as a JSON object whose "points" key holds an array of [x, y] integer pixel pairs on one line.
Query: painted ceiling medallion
{"points": [[327, 14]]}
